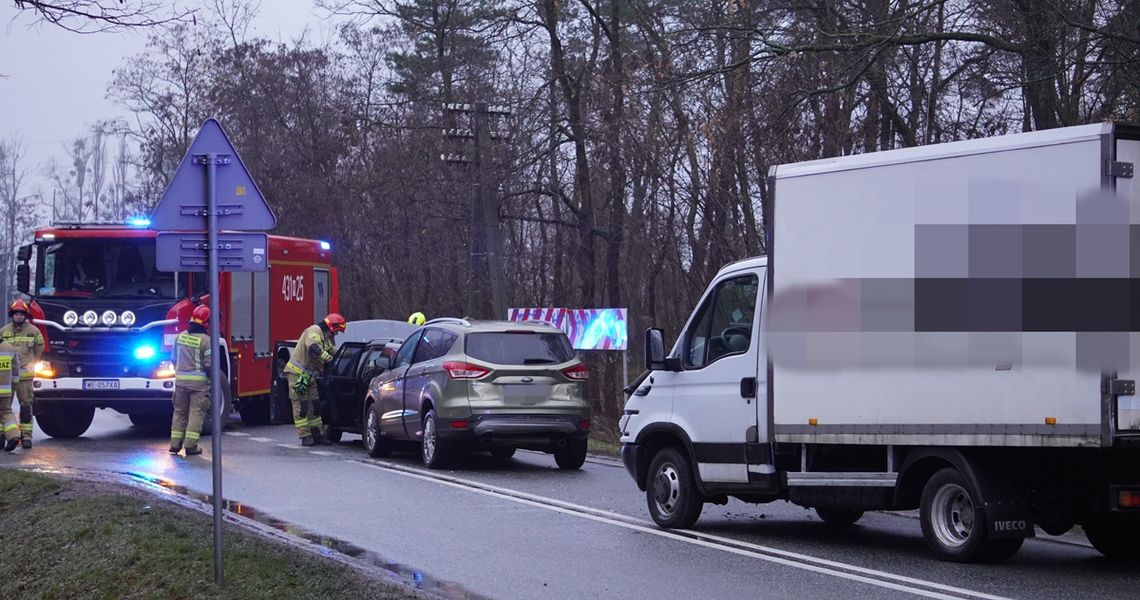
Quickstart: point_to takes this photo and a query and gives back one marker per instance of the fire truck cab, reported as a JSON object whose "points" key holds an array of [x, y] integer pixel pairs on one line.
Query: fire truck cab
{"points": [[109, 318]]}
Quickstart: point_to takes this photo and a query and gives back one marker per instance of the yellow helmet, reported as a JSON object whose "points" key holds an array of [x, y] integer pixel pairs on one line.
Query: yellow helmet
{"points": [[417, 319]]}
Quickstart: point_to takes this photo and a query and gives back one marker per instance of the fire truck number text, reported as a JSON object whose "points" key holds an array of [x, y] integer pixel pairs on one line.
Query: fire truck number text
{"points": [[293, 288]]}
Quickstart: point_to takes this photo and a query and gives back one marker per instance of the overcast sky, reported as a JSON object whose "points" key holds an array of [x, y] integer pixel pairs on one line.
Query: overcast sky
{"points": [[53, 83]]}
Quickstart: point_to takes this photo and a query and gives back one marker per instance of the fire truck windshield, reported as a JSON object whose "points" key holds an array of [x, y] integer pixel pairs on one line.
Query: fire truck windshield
{"points": [[108, 268]]}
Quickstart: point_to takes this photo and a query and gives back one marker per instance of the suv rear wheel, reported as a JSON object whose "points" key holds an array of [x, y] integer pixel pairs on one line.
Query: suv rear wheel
{"points": [[572, 455]]}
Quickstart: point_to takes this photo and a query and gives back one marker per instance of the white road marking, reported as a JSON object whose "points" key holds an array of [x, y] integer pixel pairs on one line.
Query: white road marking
{"points": [[291, 446], [261, 439], [323, 452], [236, 433], [796, 560]]}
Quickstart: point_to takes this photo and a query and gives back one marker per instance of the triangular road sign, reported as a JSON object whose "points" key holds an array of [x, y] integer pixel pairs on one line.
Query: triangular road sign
{"points": [[241, 207]]}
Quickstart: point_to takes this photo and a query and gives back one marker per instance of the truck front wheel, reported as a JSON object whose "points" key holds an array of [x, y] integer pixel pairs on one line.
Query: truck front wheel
{"points": [[64, 421], [954, 523], [674, 502]]}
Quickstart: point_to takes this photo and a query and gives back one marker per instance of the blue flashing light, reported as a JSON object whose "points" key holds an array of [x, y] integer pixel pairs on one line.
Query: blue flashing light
{"points": [[138, 222], [144, 352], [326, 246]]}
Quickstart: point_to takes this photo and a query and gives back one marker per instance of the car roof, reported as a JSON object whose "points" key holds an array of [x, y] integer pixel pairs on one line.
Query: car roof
{"points": [[476, 326]]}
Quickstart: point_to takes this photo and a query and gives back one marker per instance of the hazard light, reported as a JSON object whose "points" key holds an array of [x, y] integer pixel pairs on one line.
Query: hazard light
{"points": [[326, 246], [138, 222]]}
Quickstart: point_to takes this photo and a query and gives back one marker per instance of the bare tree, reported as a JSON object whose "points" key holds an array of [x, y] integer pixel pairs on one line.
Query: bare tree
{"points": [[90, 16], [18, 211]]}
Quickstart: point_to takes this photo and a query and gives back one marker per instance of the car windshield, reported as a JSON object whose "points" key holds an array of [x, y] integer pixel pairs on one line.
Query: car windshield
{"points": [[523, 348], [102, 269]]}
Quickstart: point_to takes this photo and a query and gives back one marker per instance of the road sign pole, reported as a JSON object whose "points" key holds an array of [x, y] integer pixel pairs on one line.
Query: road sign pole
{"points": [[217, 400]]}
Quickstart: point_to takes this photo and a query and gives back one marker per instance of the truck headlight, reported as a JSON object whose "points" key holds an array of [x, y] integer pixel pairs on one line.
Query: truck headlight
{"points": [[90, 319], [127, 318], [165, 370], [70, 318], [109, 318], [44, 370]]}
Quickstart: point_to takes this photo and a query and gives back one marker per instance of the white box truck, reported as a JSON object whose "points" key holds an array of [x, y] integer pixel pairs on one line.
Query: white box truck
{"points": [[952, 328]]}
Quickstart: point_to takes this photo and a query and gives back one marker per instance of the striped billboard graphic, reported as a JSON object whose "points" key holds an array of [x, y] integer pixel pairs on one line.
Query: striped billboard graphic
{"points": [[587, 328]]}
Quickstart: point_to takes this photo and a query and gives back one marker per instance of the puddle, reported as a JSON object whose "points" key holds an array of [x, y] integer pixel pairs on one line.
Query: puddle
{"points": [[329, 545]]}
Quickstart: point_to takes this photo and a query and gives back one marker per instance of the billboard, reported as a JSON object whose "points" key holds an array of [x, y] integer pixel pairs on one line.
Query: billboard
{"points": [[587, 328]]}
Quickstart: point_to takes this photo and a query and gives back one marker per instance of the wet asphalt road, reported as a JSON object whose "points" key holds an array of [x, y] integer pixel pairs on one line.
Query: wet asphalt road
{"points": [[521, 528]]}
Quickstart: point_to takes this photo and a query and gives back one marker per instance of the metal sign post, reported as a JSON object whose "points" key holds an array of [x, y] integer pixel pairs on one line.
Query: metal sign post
{"points": [[195, 201]]}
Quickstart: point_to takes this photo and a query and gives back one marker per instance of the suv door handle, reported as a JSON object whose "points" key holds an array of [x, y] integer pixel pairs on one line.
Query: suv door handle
{"points": [[748, 388]]}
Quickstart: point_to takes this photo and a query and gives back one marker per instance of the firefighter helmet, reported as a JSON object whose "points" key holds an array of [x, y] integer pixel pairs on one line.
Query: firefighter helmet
{"points": [[335, 323], [200, 315], [417, 319], [20, 306]]}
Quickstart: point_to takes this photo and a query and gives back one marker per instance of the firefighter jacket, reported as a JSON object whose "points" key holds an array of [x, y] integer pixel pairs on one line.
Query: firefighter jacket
{"points": [[314, 350], [9, 369], [28, 342], [191, 358]]}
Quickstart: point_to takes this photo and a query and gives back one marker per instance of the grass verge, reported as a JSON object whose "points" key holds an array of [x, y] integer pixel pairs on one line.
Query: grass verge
{"points": [[603, 447], [74, 539]]}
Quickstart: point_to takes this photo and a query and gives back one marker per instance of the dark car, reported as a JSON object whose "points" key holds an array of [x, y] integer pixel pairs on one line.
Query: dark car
{"points": [[344, 385]]}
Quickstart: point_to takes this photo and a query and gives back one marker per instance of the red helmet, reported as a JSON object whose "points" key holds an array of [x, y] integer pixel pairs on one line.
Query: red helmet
{"points": [[200, 315], [335, 323], [19, 306]]}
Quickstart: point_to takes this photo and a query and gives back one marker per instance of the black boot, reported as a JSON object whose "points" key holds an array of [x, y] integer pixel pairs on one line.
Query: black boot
{"points": [[11, 444], [194, 451], [26, 443], [308, 441]]}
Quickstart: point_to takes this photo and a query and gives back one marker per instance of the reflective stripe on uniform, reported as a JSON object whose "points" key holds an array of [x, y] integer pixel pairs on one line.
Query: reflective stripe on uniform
{"points": [[177, 434], [11, 427], [25, 426], [315, 422], [296, 368], [301, 423], [187, 339], [190, 376], [21, 339], [6, 390], [192, 436]]}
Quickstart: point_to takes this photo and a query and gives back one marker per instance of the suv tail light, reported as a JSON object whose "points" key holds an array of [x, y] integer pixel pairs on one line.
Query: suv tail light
{"points": [[579, 372], [463, 370]]}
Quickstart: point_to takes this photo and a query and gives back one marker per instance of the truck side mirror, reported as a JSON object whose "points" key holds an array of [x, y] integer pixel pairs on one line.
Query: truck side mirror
{"points": [[24, 278], [24, 254], [654, 349]]}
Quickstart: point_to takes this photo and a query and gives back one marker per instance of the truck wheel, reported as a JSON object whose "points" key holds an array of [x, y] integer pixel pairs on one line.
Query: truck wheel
{"points": [[1112, 537], [838, 516], [572, 455], [954, 525], [65, 421], [434, 451], [501, 452], [672, 495], [254, 411], [374, 443], [150, 419]]}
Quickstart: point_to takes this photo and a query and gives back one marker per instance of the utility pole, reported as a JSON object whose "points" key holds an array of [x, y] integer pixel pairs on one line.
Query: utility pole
{"points": [[486, 238]]}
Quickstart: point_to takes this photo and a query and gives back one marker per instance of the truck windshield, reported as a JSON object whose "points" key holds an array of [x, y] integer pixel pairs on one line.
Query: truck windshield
{"points": [[102, 269]]}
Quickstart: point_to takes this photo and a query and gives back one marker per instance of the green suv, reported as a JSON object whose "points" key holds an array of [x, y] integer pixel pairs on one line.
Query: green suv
{"points": [[457, 385]]}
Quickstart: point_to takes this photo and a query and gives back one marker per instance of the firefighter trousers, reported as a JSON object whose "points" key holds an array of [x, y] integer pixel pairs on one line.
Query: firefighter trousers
{"points": [[8, 419], [26, 396], [191, 403], [305, 416]]}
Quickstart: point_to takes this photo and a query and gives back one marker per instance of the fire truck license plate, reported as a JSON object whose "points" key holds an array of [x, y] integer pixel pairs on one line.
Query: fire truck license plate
{"points": [[100, 384]]}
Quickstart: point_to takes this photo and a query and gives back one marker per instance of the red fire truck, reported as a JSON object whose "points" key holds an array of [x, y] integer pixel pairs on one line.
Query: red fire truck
{"points": [[109, 318]]}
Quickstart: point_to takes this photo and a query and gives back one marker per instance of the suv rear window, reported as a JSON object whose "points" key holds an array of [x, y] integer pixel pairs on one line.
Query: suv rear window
{"points": [[519, 348]]}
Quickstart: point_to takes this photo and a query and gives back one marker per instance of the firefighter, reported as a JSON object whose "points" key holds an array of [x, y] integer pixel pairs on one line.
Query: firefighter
{"points": [[29, 344], [9, 375], [417, 319], [314, 350], [191, 357]]}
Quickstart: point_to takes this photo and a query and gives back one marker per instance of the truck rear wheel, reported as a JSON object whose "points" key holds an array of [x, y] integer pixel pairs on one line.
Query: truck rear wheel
{"points": [[954, 523], [64, 421], [1114, 538], [838, 516], [254, 411], [674, 501]]}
